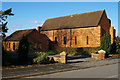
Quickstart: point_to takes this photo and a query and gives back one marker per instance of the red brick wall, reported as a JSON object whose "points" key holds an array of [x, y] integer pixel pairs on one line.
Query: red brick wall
{"points": [[106, 27], [105, 23], [37, 40], [6, 45], [93, 33]]}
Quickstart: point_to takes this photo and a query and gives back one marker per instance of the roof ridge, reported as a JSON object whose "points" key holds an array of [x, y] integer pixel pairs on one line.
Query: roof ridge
{"points": [[26, 29], [24, 32], [76, 14], [72, 21]]}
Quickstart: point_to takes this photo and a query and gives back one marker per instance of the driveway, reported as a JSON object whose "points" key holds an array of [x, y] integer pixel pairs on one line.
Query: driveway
{"points": [[54, 68]]}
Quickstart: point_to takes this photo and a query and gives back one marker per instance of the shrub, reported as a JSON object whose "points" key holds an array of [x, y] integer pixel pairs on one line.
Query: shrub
{"points": [[95, 52], [106, 42], [118, 45], [84, 53], [23, 50], [68, 50], [6, 58], [72, 53], [50, 52], [41, 58], [118, 50], [113, 48], [110, 55], [47, 52]]}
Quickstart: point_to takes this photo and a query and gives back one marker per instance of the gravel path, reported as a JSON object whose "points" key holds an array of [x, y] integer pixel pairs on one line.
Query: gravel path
{"points": [[72, 65]]}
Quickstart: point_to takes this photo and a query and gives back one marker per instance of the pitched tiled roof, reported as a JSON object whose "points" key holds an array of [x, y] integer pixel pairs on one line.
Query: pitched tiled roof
{"points": [[17, 35], [74, 21]]}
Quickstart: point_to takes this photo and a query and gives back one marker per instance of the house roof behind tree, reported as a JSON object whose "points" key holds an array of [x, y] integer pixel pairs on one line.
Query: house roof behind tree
{"points": [[74, 21], [17, 35]]}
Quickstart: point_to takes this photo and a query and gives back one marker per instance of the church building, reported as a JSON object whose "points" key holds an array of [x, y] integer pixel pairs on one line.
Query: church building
{"points": [[78, 30]]}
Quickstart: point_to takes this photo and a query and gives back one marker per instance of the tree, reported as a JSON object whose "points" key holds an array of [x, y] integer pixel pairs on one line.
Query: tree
{"points": [[23, 50], [106, 42], [3, 23], [113, 48], [117, 44]]}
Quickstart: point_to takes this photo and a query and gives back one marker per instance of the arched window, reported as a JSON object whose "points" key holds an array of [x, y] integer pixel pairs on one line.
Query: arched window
{"points": [[65, 40], [55, 40], [87, 40], [75, 40], [13, 46], [9, 45]]}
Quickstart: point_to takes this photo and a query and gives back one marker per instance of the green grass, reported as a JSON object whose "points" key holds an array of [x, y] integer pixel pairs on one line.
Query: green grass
{"points": [[47, 52]]}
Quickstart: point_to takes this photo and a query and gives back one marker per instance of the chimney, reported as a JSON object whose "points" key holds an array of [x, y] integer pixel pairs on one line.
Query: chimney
{"points": [[39, 27]]}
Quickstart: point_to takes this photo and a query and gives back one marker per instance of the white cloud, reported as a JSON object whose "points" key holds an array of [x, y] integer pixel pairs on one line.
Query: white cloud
{"points": [[36, 22]]}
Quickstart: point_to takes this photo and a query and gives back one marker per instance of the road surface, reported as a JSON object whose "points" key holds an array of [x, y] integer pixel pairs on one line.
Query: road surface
{"points": [[107, 71]]}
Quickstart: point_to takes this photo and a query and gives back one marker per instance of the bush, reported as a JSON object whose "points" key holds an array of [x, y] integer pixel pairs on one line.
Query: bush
{"points": [[23, 50], [68, 50], [113, 48], [95, 52], [84, 53], [72, 53], [47, 52], [110, 55], [6, 58], [50, 52], [41, 58], [118, 45], [106, 42], [118, 50]]}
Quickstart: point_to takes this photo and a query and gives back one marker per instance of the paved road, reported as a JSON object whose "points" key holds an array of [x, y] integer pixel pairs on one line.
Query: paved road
{"points": [[108, 71], [53, 68]]}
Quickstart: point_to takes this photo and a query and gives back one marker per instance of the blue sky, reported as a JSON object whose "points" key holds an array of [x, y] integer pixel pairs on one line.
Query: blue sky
{"points": [[31, 14]]}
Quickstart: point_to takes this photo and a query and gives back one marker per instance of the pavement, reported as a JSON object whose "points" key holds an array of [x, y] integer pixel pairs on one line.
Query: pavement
{"points": [[108, 71], [73, 64]]}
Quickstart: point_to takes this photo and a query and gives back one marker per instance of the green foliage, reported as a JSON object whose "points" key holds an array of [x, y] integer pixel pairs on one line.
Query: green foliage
{"points": [[3, 23], [76, 51], [72, 53], [84, 53], [68, 50], [118, 45], [47, 52], [23, 50], [41, 58], [118, 50], [95, 52], [113, 48], [6, 59], [106, 42], [110, 55]]}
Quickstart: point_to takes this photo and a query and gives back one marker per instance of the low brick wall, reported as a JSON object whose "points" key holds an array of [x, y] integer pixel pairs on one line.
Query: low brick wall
{"points": [[55, 58], [61, 59], [98, 56]]}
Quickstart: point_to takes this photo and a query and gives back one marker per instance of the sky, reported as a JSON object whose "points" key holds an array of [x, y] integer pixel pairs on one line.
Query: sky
{"points": [[29, 15]]}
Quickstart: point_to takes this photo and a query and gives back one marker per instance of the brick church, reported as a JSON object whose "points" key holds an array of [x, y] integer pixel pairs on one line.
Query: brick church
{"points": [[77, 30]]}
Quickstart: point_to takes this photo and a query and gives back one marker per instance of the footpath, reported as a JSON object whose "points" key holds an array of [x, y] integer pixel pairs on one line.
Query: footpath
{"points": [[54, 68]]}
